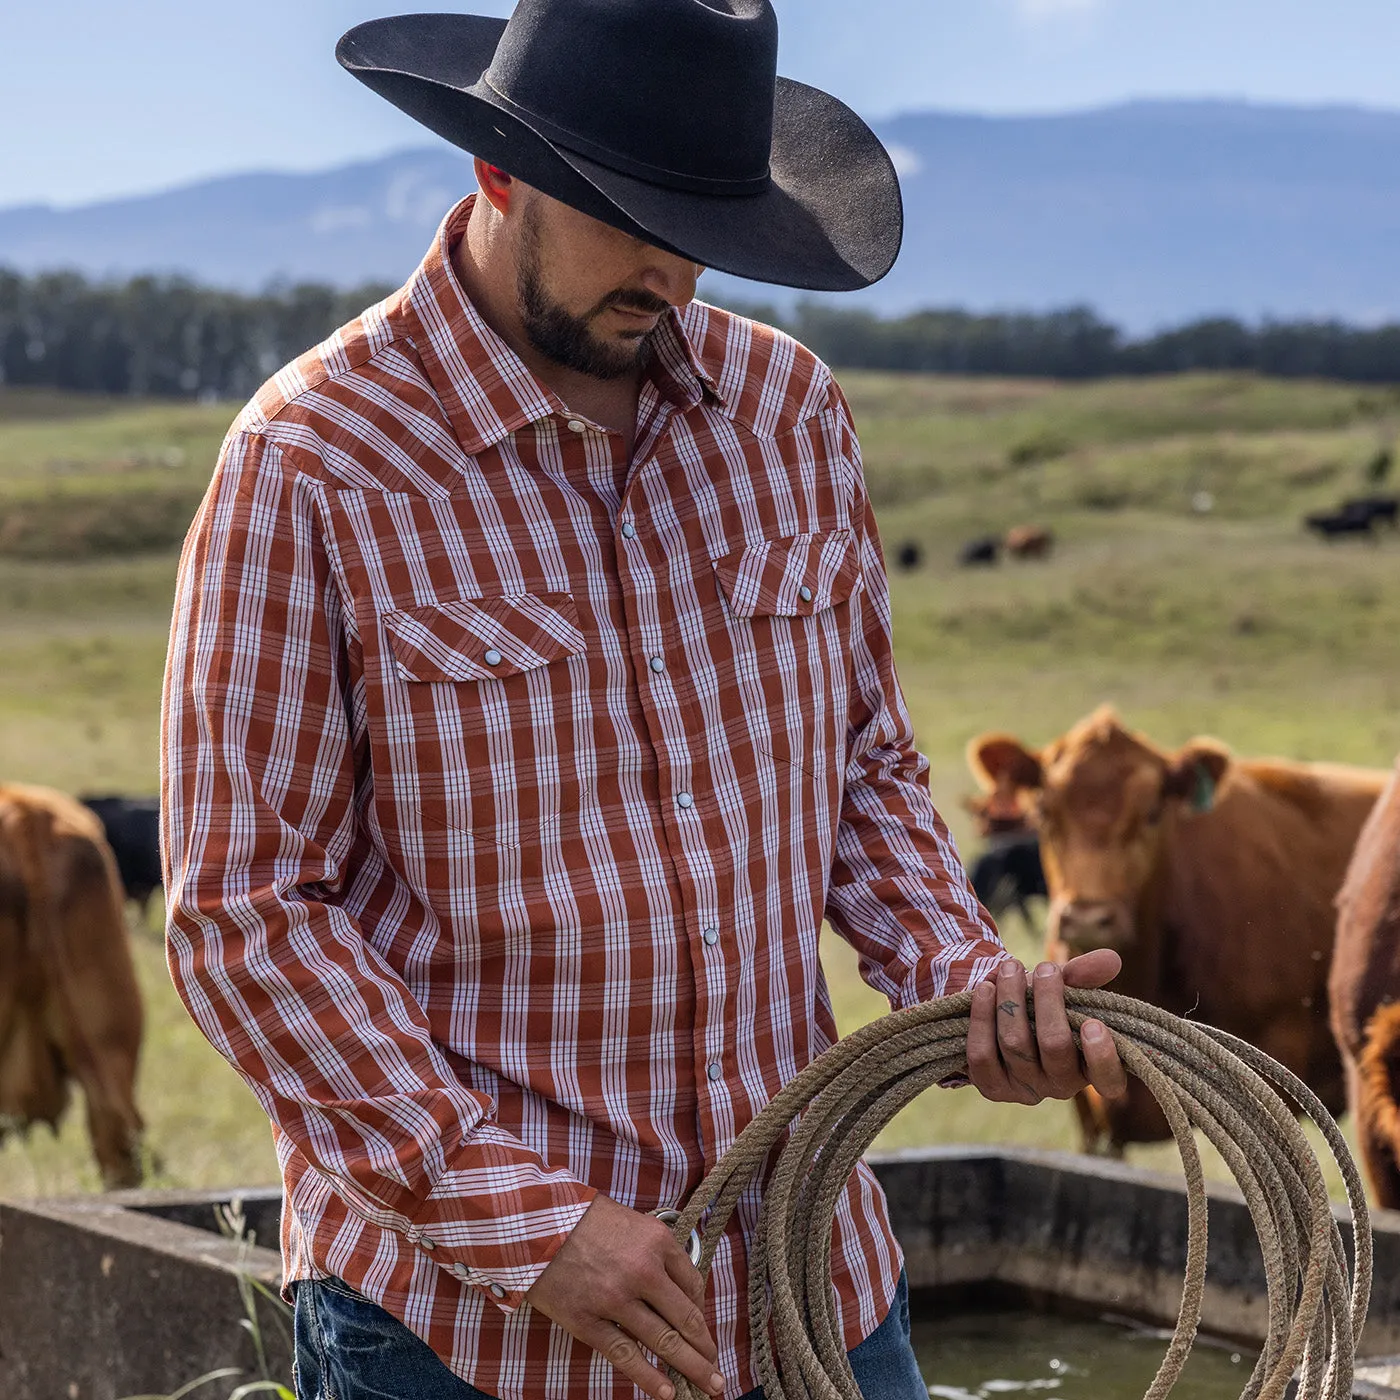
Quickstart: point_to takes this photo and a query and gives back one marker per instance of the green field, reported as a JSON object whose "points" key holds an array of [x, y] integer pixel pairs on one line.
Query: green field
{"points": [[1230, 622]]}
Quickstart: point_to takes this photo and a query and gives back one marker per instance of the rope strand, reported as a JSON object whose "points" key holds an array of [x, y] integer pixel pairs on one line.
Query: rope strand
{"points": [[1203, 1079]]}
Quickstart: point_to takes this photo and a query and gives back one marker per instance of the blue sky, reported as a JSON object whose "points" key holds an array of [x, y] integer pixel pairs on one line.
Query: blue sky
{"points": [[100, 99]]}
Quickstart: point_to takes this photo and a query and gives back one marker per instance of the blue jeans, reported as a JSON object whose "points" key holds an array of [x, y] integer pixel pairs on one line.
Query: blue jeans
{"points": [[348, 1348]]}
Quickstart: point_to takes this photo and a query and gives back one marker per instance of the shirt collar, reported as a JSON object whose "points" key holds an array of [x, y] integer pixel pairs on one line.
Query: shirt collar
{"points": [[485, 387]]}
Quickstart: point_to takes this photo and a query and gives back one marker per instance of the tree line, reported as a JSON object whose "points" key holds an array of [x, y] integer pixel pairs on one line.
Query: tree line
{"points": [[167, 336]]}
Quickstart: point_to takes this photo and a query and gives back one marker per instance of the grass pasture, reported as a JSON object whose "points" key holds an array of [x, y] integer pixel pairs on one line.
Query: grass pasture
{"points": [[1229, 621]]}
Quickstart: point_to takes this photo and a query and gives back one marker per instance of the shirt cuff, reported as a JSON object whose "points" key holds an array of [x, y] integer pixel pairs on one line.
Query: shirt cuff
{"points": [[497, 1217]]}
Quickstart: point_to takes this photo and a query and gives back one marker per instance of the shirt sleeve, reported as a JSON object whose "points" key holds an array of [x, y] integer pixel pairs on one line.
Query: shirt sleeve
{"points": [[898, 891], [259, 784]]}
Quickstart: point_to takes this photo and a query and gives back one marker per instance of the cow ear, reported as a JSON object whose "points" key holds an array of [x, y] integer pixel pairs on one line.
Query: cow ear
{"points": [[999, 762], [1195, 773]]}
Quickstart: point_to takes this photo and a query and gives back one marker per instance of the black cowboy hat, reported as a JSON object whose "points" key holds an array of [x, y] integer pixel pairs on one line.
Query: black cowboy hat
{"points": [[664, 118]]}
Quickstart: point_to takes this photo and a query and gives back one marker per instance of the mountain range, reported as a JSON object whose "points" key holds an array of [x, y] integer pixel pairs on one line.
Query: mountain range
{"points": [[1153, 213]]}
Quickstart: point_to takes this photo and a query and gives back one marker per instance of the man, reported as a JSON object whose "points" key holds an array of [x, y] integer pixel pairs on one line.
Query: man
{"points": [[530, 703]]}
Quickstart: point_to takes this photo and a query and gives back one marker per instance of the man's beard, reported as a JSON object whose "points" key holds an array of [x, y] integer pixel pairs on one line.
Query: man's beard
{"points": [[568, 340]]}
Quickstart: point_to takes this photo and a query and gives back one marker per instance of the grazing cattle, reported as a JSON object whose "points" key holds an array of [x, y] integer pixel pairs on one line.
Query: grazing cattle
{"points": [[1364, 991], [132, 828], [69, 1004], [1212, 876], [1375, 510], [1336, 525], [980, 552], [1030, 542], [909, 557]]}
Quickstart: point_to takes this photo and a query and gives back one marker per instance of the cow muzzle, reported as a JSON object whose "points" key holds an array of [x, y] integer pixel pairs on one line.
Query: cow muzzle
{"points": [[1084, 925]]}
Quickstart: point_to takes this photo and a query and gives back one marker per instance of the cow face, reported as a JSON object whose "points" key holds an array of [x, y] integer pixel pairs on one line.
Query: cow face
{"points": [[1102, 800]]}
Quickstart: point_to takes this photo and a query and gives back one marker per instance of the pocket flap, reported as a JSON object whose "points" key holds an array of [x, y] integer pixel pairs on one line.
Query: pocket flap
{"points": [[792, 577], [450, 641]]}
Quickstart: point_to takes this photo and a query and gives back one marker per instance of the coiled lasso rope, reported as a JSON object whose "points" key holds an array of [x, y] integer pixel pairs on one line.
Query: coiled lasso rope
{"points": [[1202, 1078]]}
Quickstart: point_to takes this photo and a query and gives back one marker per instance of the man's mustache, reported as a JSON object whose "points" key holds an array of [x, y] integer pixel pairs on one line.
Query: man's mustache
{"points": [[646, 303]]}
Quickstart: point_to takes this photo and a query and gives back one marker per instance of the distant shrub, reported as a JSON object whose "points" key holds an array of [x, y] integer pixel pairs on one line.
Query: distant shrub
{"points": [[82, 525], [1039, 447]]}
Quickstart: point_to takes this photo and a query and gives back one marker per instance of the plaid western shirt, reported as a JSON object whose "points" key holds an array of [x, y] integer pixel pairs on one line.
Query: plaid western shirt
{"points": [[505, 792]]}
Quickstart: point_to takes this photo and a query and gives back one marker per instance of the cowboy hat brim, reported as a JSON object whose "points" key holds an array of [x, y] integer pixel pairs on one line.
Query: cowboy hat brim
{"points": [[830, 219]]}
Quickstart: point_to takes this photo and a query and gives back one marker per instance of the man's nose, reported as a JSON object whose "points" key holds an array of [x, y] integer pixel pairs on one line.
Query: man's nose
{"points": [[671, 278]]}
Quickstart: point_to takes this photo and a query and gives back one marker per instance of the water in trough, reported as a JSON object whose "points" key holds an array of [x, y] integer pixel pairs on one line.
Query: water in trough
{"points": [[1005, 1355]]}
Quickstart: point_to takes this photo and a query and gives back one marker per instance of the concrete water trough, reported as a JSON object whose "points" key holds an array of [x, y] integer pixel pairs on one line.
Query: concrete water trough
{"points": [[138, 1292]]}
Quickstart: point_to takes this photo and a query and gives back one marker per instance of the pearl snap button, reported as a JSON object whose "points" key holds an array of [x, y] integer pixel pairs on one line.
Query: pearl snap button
{"points": [[427, 1243], [715, 1070], [493, 657], [576, 427], [711, 937], [629, 531], [497, 1292], [657, 665], [805, 594], [460, 1270], [685, 800]]}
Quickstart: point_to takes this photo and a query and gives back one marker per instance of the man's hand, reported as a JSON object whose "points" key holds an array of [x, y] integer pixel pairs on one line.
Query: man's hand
{"points": [[620, 1282], [1010, 1063]]}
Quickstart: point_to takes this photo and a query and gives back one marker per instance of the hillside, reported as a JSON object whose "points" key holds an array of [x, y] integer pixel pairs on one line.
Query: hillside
{"points": [[1153, 213], [1232, 623]]}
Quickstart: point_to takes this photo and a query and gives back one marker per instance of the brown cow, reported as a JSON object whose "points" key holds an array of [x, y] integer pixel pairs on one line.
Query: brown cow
{"points": [[1213, 878], [1365, 994], [69, 1003], [1030, 542]]}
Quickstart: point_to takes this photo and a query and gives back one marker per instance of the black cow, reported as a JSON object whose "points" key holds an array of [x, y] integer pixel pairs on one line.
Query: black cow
{"points": [[980, 552], [1008, 873], [909, 557], [132, 825], [1333, 525], [1375, 510]]}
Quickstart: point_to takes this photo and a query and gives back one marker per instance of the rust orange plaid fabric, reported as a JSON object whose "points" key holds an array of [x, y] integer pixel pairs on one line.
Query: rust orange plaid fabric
{"points": [[505, 793]]}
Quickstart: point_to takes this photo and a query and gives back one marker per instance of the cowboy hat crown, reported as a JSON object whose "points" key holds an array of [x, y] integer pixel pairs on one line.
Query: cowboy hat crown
{"points": [[716, 62], [665, 118]]}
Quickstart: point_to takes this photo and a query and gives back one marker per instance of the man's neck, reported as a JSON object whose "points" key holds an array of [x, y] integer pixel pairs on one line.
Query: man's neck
{"points": [[488, 278]]}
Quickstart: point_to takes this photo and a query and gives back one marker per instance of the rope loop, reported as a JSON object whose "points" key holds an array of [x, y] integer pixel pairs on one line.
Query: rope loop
{"points": [[809, 1138]]}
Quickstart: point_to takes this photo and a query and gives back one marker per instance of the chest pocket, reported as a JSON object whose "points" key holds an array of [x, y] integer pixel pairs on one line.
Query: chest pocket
{"points": [[482, 639], [485, 721], [794, 577], [784, 679]]}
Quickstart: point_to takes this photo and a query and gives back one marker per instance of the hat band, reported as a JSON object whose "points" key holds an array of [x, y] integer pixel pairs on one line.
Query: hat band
{"points": [[623, 164]]}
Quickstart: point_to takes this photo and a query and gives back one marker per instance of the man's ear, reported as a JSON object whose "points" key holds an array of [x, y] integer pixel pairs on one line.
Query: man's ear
{"points": [[497, 188], [1195, 773], [1000, 762]]}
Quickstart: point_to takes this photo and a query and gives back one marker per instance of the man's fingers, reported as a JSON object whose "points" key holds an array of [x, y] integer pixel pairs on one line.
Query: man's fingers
{"points": [[1015, 1040], [624, 1355], [984, 1066], [1059, 1056], [683, 1311], [666, 1343], [1105, 1069], [1092, 970]]}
